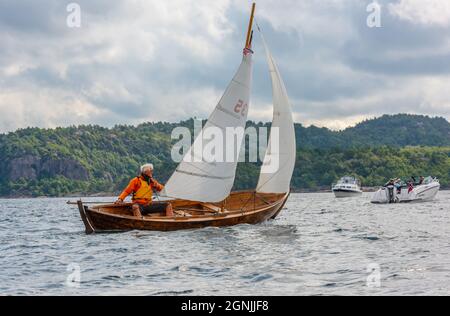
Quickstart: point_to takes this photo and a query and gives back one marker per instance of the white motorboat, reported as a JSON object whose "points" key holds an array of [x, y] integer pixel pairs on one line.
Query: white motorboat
{"points": [[403, 193], [347, 187]]}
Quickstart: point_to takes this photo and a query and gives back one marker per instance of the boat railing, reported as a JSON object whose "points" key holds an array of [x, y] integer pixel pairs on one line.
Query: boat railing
{"points": [[347, 181], [430, 179]]}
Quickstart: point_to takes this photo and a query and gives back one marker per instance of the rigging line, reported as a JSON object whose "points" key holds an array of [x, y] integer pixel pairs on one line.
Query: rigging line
{"points": [[243, 207], [157, 196], [257, 25], [268, 53], [264, 200]]}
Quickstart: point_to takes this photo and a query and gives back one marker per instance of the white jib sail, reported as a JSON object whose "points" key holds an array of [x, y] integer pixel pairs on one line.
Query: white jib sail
{"points": [[199, 178], [279, 161]]}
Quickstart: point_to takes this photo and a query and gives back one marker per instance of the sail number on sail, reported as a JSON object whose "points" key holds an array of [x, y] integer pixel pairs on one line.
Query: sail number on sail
{"points": [[241, 108]]}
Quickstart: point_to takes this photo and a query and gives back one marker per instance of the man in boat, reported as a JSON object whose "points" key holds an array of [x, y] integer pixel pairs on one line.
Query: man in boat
{"points": [[142, 189], [396, 183], [411, 182], [421, 180], [392, 182]]}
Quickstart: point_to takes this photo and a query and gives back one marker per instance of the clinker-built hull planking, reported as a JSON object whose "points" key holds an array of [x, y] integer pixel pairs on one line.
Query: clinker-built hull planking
{"points": [[240, 208]]}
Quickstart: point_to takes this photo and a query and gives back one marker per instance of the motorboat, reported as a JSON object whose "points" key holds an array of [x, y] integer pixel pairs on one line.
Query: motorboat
{"points": [[400, 192], [347, 187]]}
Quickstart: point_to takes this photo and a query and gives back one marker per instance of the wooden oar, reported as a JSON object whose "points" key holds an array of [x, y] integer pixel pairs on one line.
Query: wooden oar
{"points": [[75, 203]]}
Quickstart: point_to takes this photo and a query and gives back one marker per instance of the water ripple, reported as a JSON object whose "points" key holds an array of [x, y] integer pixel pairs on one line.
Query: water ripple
{"points": [[318, 246]]}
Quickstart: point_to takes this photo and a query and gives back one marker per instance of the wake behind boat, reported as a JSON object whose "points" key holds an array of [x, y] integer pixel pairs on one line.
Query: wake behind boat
{"points": [[347, 187], [397, 191], [199, 191]]}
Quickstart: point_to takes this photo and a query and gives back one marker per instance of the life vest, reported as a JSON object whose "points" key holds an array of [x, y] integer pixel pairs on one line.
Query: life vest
{"points": [[144, 194]]}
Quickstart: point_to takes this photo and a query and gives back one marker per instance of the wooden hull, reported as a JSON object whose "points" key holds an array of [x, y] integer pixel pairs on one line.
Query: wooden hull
{"points": [[244, 207]]}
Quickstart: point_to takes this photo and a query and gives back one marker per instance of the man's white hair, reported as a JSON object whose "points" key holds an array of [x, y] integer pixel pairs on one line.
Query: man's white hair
{"points": [[146, 166]]}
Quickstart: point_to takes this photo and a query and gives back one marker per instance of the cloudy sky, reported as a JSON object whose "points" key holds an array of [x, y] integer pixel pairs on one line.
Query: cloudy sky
{"points": [[138, 60]]}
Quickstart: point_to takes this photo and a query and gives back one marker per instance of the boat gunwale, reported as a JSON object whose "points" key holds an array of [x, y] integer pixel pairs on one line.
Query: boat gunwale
{"points": [[347, 190], [194, 218]]}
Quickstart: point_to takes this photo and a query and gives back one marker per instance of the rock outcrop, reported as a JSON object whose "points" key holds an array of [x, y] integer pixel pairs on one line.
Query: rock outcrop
{"points": [[33, 167]]}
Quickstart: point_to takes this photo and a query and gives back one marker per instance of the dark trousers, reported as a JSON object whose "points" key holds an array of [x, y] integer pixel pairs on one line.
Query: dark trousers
{"points": [[154, 207]]}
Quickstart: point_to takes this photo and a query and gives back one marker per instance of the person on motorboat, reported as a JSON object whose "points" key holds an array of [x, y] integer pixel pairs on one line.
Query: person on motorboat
{"points": [[398, 185], [424, 190], [420, 182], [142, 188], [410, 185], [394, 182], [421, 179]]}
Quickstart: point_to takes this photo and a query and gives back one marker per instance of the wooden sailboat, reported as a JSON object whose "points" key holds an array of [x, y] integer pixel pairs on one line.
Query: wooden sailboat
{"points": [[200, 191]]}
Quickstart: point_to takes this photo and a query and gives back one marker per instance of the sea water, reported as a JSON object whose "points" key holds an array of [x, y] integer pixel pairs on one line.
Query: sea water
{"points": [[318, 245]]}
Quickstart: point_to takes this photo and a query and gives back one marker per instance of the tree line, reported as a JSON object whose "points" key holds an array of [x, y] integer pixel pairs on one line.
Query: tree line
{"points": [[37, 162]]}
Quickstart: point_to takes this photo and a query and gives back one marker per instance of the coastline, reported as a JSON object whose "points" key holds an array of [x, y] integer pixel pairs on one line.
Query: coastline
{"points": [[115, 194], [328, 190]]}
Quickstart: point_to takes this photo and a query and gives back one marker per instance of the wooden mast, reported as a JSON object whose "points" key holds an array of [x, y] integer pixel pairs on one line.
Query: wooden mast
{"points": [[250, 27]]}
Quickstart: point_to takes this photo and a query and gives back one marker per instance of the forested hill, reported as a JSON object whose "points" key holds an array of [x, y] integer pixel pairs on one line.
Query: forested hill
{"points": [[91, 159], [391, 130]]}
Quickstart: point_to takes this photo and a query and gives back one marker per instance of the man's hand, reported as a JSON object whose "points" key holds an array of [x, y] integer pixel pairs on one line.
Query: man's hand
{"points": [[119, 201]]}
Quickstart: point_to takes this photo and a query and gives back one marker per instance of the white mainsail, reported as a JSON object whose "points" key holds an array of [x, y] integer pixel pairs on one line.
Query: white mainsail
{"points": [[281, 154], [211, 181]]}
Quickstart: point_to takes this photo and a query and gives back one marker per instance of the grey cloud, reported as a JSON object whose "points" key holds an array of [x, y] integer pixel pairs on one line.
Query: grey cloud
{"points": [[326, 77], [398, 47]]}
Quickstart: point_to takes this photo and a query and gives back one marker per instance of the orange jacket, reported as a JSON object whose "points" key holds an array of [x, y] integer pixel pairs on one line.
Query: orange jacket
{"points": [[134, 187]]}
